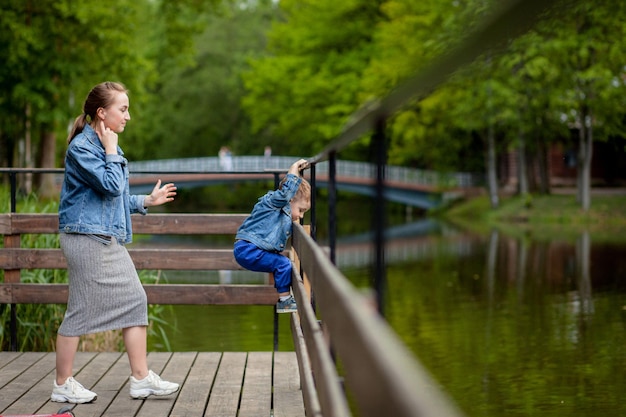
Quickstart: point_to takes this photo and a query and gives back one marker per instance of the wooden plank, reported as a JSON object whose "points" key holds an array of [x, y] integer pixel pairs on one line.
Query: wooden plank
{"points": [[184, 259], [22, 383], [9, 243], [256, 396], [224, 399], [243, 380], [33, 293], [190, 294], [23, 258], [329, 392], [194, 224], [393, 383], [18, 365], [23, 223], [39, 392], [124, 405], [175, 370], [288, 399], [306, 379], [158, 223], [36, 398], [89, 367], [238, 294], [5, 224], [109, 386], [5, 359], [145, 258], [194, 394]]}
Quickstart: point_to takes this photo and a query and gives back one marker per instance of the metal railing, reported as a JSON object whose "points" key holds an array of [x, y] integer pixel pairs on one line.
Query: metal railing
{"points": [[352, 169]]}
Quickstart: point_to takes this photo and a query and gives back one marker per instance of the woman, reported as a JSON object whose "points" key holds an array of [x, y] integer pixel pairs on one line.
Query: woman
{"points": [[94, 223]]}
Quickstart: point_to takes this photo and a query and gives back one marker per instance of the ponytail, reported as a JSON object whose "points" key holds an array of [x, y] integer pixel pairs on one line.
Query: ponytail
{"points": [[79, 125]]}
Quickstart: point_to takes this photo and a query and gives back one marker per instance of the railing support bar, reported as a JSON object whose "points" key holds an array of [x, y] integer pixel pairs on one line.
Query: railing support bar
{"points": [[379, 149], [313, 203], [332, 205], [13, 307], [276, 322]]}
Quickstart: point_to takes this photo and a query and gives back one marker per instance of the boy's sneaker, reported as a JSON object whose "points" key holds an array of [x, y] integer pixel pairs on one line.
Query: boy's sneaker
{"points": [[151, 385], [72, 392], [287, 306]]}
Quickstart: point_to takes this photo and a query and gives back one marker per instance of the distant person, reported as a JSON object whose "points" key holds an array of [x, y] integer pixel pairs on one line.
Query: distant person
{"points": [[267, 153], [226, 158], [94, 224], [263, 235]]}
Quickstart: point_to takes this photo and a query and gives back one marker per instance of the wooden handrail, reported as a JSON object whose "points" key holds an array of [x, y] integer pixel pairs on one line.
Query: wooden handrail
{"points": [[384, 378], [153, 224], [14, 259], [168, 259], [190, 294]]}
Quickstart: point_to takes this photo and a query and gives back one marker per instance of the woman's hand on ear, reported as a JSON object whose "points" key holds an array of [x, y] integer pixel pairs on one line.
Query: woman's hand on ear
{"points": [[108, 138]]}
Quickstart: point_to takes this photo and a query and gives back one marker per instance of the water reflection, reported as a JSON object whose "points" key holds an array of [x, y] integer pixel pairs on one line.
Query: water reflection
{"points": [[516, 327], [508, 326]]}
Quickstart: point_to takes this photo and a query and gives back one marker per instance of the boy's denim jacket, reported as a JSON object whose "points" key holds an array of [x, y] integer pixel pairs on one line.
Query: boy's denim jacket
{"points": [[95, 197], [270, 224]]}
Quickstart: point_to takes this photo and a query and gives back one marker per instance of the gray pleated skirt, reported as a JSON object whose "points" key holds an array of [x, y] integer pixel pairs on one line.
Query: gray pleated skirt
{"points": [[104, 289]]}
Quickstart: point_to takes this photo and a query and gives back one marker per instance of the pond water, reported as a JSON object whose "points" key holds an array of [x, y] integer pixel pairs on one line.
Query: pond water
{"points": [[508, 327]]}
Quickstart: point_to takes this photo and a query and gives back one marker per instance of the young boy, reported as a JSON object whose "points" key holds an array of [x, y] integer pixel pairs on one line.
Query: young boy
{"points": [[263, 235]]}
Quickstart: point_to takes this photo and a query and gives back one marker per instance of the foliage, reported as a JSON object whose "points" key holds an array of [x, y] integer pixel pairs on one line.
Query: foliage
{"points": [[544, 217], [321, 48], [194, 108], [289, 74], [53, 52]]}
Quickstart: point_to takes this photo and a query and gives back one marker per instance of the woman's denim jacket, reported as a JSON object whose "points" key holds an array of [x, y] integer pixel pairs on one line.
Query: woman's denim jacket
{"points": [[95, 196], [270, 224]]}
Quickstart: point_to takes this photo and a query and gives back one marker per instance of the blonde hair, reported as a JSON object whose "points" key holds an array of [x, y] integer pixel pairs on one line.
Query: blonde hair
{"points": [[102, 95], [304, 190]]}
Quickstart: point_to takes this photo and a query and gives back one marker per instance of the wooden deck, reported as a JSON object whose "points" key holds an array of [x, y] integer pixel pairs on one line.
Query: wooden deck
{"points": [[216, 384]]}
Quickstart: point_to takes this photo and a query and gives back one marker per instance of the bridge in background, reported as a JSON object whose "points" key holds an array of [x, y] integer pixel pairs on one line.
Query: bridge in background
{"points": [[413, 187]]}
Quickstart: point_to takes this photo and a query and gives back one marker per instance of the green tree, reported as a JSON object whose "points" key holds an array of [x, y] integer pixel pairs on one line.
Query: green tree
{"points": [[442, 130], [53, 51], [195, 106], [301, 94], [588, 47]]}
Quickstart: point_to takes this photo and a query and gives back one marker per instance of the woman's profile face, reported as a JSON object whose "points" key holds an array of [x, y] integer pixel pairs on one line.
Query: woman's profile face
{"points": [[116, 115]]}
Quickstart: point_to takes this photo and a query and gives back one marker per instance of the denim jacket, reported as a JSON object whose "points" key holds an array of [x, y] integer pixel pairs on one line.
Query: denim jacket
{"points": [[270, 224], [95, 196]]}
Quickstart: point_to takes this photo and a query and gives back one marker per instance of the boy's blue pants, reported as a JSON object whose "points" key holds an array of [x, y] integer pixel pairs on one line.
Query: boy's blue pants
{"points": [[252, 258]]}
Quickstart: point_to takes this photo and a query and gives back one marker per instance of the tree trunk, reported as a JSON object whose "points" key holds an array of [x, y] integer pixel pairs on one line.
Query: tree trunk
{"points": [[583, 268], [521, 165], [28, 155], [543, 165], [46, 183], [585, 151], [492, 179]]}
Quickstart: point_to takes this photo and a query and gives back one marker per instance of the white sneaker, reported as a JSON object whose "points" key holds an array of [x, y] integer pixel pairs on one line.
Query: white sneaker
{"points": [[151, 385], [72, 392]]}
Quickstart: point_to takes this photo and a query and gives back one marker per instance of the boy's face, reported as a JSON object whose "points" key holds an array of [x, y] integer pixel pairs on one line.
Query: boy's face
{"points": [[298, 208]]}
